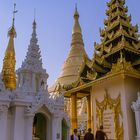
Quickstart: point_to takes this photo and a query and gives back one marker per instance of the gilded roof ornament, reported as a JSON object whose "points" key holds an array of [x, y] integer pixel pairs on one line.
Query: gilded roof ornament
{"points": [[118, 35], [12, 32], [123, 66], [9, 62]]}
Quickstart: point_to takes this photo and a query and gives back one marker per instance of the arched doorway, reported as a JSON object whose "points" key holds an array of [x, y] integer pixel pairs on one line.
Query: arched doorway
{"points": [[39, 127], [64, 130]]}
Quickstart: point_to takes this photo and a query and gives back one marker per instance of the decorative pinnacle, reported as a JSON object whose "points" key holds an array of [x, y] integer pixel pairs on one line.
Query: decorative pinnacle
{"points": [[14, 12], [34, 13], [121, 56], [12, 32], [76, 27], [76, 14], [34, 23], [75, 6]]}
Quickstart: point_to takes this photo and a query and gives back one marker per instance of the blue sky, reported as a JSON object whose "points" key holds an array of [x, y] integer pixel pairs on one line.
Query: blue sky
{"points": [[54, 26]]}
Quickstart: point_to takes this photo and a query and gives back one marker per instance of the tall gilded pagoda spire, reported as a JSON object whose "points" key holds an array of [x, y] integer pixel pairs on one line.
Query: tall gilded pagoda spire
{"points": [[72, 66], [9, 62], [118, 35]]}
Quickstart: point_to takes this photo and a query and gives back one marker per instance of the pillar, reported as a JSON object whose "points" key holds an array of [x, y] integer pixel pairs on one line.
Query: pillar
{"points": [[18, 126], [88, 111], [29, 126], [3, 122], [73, 111]]}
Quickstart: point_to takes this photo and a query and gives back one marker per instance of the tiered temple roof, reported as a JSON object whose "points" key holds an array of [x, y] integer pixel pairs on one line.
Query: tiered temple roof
{"points": [[119, 40]]}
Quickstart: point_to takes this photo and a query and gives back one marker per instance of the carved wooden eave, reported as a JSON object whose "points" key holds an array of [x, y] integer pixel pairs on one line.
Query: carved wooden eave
{"points": [[101, 61], [106, 64], [118, 15], [109, 4], [117, 23], [88, 63], [112, 2], [115, 6], [121, 74], [137, 62], [123, 66], [103, 49], [108, 49], [98, 46], [138, 45], [89, 74], [92, 76], [118, 35], [120, 69], [110, 35], [127, 48], [78, 83], [97, 67]]}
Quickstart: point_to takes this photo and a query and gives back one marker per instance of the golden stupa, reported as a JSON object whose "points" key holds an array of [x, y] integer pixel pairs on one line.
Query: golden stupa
{"points": [[9, 62]]}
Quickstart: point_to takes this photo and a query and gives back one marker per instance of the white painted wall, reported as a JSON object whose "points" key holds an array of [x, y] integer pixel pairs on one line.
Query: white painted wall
{"points": [[127, 88]]}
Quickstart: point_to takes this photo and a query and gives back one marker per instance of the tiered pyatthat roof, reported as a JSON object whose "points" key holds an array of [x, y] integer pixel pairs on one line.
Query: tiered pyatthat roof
{"points": [[33, 59], [118, 38], [76, 59], [9, 62]]}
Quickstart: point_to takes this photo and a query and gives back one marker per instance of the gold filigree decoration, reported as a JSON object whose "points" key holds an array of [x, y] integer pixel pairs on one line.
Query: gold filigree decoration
{"points": [[123, 65], [92, 75], [115, 106], [108, 49]]}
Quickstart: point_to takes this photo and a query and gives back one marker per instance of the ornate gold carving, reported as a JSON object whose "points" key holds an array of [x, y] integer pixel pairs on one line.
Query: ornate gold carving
{"points": [[92, 75], [8, 71], [123, 65], [108, 49], [115, 106]]}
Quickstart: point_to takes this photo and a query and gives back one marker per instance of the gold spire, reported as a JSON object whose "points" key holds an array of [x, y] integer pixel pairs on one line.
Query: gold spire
{"points": [[72, 66], [76, 27], [77, 54], [8, 70]]}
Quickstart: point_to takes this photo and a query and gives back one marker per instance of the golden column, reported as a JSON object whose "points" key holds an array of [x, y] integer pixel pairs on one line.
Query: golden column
{"points": [[73, 111], [89, 112]]}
